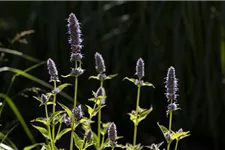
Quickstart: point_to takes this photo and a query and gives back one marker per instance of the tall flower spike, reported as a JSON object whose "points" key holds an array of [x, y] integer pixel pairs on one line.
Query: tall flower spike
{"points": [[112, 132], [171, 84], [99, 63], [52, 70], [140, 68], [74, 33]]}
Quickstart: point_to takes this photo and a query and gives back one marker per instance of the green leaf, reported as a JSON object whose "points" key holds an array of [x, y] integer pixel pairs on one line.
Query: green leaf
{"points": [[41, 120], [78, 141], [33, 146], [110, 76], [64, 131], [143, 115], [55, 115], [95, 140], [131, 80], [19, 116], [177, 135], [133, 118], [62, 86], [90, 110], [162, 128], [148, 84], [43, 131], [66, 76], [69, 112], [5, 147], [93, 77]]}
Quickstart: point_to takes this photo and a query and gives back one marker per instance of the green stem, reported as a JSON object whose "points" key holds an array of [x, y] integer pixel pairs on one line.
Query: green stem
{"points": [[53, 111], [170, 125], [136, 114], [48, 126], [71, 137], [176, 146], [60, 125], [112, 147], [74, 106], [99, 121]]}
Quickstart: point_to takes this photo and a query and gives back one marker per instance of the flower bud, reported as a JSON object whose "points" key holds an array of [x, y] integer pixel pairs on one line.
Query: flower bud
{"points": [[44, 98], [76, 56], [78, 113], [112, 132], [171, 84], [52, 70], [89, 135], [140, 70], [99, 63]]}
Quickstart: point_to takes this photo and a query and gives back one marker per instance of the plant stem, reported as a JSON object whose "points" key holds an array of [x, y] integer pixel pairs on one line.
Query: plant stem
{"points": [[136, 114], [71, 136], [74, 106], [99, 122], [53, 111], [112, 147], [75, 88], [83, 147], [176, 146], [170, 125], [48, 126]]}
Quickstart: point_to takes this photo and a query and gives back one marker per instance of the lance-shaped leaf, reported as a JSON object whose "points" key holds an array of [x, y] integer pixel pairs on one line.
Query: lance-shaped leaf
{"points": [[178, 135], [148, 84], [143, 114], [62, 86], [66, 76], [78, 141], [109, 77], [131, 80], [93, 77], [133, 118], [55, 115], [61, 133], [41, 120], [43, 131], [34, 145]]}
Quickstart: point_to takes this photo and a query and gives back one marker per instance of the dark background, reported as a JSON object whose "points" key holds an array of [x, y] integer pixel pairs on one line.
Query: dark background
{"points": [[186, 35]]}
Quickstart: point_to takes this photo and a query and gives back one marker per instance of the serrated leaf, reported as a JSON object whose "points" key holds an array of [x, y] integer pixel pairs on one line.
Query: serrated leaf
{"points": [[61, 133], [43, 131], [131, 80], [68, 111], [133, 118], [78, 141], [41, 120], [62, 86], [93, 77], [143, 115], [66, 76], [177, 135], [110, 76], [148, 84], [33, 146]]}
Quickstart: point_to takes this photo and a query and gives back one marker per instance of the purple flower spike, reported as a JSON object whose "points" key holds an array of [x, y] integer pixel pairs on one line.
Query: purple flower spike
{"points": [[74, 33], [171, 84], [140, 68]]}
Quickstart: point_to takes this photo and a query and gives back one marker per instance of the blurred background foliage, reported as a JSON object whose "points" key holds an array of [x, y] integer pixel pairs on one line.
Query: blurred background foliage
{"points": [[188, 35]]}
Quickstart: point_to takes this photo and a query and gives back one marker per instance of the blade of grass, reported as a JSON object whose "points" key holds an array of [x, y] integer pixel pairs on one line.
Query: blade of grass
{"points": [[35, 79], [15, 52], [19, 116], [8, 141]]}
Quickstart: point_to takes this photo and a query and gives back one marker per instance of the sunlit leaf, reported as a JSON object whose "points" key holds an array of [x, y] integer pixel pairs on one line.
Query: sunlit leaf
{"points": [[93, 77], [33, 146], [143, 115], [148, 84], [66, 76], [40, 119], [110, 76], [131, 80], [43, 131], [78, 141], [177, 135], [62, 86], [69, 112], [55, 115]]}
